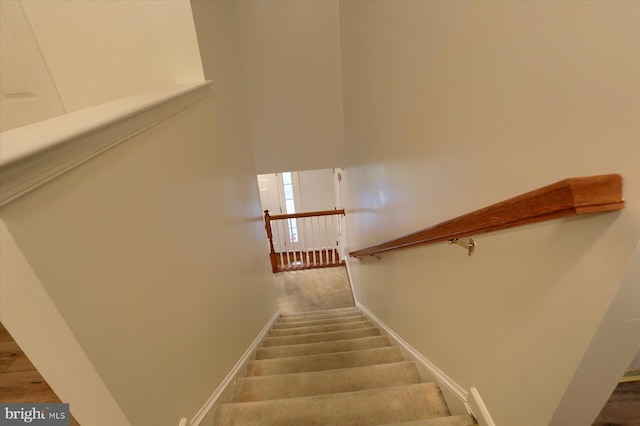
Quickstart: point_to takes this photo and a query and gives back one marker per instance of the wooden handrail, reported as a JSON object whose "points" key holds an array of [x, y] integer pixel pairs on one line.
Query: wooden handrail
{"points": [[305, 214], [582, 195]]}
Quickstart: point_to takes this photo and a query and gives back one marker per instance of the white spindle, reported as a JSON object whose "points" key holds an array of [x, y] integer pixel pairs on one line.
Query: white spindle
{"points": [[313, 242], [319, 240], [333, 240], [306, 242], [324, 241], [279, 241], [299, 228]]}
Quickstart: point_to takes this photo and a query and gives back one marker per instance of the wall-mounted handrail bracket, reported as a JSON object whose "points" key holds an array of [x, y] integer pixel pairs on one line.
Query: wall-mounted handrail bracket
{"points": [[377, 256], [467, 243]]}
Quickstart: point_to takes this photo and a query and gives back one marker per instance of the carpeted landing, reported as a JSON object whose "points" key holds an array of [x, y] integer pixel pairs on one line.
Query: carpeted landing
{"points": [[333, 367]]}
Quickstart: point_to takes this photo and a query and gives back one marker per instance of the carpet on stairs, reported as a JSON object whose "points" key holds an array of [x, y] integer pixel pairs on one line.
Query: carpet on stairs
{"points": [[333, 367]]}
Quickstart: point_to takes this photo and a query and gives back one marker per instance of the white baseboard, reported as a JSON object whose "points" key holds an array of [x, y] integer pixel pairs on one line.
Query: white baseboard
{"points": [[471, 399], [353, 291], [234, 374], [479, 409]]}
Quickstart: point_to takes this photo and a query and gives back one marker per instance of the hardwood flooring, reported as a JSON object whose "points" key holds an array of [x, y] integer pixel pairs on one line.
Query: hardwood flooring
{"points": [[623, 407], [20, 381]]}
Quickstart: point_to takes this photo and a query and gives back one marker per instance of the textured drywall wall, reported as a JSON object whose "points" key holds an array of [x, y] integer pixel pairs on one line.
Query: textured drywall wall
{"points": [[291, 65], [452, 106]]}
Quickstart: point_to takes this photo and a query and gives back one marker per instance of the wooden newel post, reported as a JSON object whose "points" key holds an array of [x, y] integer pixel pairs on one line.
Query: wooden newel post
{"points": [[272, 250]]}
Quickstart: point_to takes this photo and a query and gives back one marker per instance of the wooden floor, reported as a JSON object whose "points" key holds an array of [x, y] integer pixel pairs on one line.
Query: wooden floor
{"points": [[20, 382], [623, 407]]}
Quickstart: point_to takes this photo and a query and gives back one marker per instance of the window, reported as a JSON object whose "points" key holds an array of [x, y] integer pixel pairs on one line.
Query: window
{"points": [[289, 203]]}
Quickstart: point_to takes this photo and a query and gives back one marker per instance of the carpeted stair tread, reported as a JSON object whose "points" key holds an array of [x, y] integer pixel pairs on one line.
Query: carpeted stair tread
{"points": [[325, 382], [369, 407], [320, 328], [317, 317], [463, 420], [322, 312], [332, 361], [293, 324], [320, 337], [362, 343]]}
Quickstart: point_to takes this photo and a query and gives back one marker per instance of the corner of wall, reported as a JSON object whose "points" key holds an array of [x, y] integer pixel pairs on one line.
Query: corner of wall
{"points": [[27, 311]]}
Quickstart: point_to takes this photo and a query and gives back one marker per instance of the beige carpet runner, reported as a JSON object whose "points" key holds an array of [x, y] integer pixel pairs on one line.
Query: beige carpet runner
{"points": [[333, 368]]}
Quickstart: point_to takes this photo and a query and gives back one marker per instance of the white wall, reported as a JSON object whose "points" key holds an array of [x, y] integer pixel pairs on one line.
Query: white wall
{"points": [[102, 50], [153, 252], [316, 190], [452, 106], [291, 64]]}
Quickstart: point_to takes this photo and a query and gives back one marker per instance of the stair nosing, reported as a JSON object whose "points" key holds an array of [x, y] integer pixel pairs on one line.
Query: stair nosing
{"points": [[363, 322], [323, 400], [295, 323], [318, 312], [255, 364], [299, 336], [299, 345], [431, 384], [245, 385]]}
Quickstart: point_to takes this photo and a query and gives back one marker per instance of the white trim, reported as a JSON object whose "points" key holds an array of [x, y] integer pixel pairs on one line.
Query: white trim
{"points": [[233, 374], [442, 378], [477, 406], [474, 405], [183, 422], [34, 154], [29, 314], [347, 259]]}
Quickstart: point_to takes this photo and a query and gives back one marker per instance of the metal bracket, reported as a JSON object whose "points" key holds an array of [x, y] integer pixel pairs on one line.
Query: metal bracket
{"points": [[467, 243], [377, 256]]}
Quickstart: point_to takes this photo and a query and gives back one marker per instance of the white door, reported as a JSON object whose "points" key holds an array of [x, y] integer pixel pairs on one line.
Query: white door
{"points": [[27, 91], [290, 190], [270, 199], [280, 194]]}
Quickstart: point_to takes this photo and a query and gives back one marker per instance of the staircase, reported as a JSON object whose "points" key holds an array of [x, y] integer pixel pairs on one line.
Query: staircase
{"points": [[333, 368]]}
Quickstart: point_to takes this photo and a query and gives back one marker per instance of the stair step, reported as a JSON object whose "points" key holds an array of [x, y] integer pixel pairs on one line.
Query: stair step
{"points": [[325, 382], [463, 420], [319, 328], [377, 406], [339, 320], [299, 364], [317, 317], [320, 337], [323, 312], [322, 347]]}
